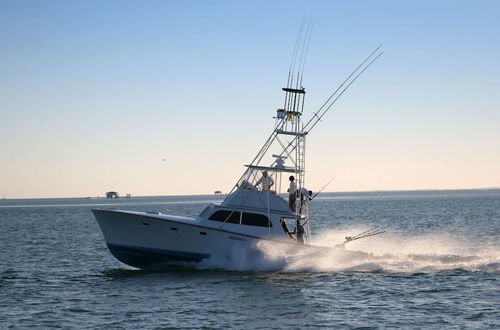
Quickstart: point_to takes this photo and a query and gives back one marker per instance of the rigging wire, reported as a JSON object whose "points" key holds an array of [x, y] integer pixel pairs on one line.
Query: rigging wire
{"points": [[308, 37]]}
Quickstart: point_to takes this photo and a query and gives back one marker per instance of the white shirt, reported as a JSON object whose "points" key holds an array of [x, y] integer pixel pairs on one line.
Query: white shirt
{"points": [[293, 188], [266, 183], [304, 196]]}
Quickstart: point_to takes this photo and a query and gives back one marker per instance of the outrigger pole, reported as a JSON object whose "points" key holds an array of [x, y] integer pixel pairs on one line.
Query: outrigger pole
{"points": [[316, 194], [336, 95], [325, 110]]}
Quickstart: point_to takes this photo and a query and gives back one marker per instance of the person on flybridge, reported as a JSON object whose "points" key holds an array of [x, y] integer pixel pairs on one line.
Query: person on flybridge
{"points": [[265, 181], [292, 193]]}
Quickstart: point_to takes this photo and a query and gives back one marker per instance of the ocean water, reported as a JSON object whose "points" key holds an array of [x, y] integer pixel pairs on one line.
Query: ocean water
{"points": [[436, 267]]}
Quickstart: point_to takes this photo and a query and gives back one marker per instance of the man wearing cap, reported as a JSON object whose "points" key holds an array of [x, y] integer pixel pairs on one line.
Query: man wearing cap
{"points": [[265, 181]]}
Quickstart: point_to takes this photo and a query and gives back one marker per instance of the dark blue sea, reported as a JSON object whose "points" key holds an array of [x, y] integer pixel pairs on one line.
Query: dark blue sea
{"points": [[436, 267]]}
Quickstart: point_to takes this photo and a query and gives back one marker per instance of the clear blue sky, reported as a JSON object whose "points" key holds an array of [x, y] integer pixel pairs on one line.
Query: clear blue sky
{"points": [[93, 94]]}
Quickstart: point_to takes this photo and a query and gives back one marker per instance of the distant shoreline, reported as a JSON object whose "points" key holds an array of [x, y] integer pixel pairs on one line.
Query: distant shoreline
{"points": [[222, 195]]}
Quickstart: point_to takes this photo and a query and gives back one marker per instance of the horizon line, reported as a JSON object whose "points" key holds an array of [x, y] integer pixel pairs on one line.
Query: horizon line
{"points": [[225, 194]]}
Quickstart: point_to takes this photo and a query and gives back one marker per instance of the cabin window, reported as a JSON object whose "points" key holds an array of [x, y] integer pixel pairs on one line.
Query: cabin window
{"points": [[254, 219], [202, 214], [234, 217]]}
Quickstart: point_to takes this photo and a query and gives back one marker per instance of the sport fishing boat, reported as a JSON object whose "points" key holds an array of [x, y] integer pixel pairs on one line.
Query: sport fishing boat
{"points": [[269, 202]]}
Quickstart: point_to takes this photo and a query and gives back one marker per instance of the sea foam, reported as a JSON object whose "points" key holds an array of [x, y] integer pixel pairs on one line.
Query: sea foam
{"points": [[387, 253]]}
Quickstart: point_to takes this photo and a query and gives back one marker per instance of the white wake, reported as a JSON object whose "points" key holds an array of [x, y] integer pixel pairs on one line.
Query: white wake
{"points": [[388, 253]]}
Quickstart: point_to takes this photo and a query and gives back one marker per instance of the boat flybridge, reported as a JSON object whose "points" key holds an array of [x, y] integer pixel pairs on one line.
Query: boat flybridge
{"points": [[265, 204]]}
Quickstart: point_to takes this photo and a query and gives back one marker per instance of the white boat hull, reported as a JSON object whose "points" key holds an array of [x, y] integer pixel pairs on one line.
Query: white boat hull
{"points": [[143, 240]]}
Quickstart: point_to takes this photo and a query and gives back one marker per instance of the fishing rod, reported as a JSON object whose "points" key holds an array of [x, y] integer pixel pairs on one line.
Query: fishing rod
{"points": [[367, 232], [377, 230], [316, 194]]}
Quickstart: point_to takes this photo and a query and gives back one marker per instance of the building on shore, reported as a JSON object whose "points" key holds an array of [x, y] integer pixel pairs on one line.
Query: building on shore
{"points": [[112, 194]]}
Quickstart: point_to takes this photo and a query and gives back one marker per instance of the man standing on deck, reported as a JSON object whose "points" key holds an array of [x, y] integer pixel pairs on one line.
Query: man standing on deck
{"points": [[305, 197], [265, 181], [292, 191]]}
